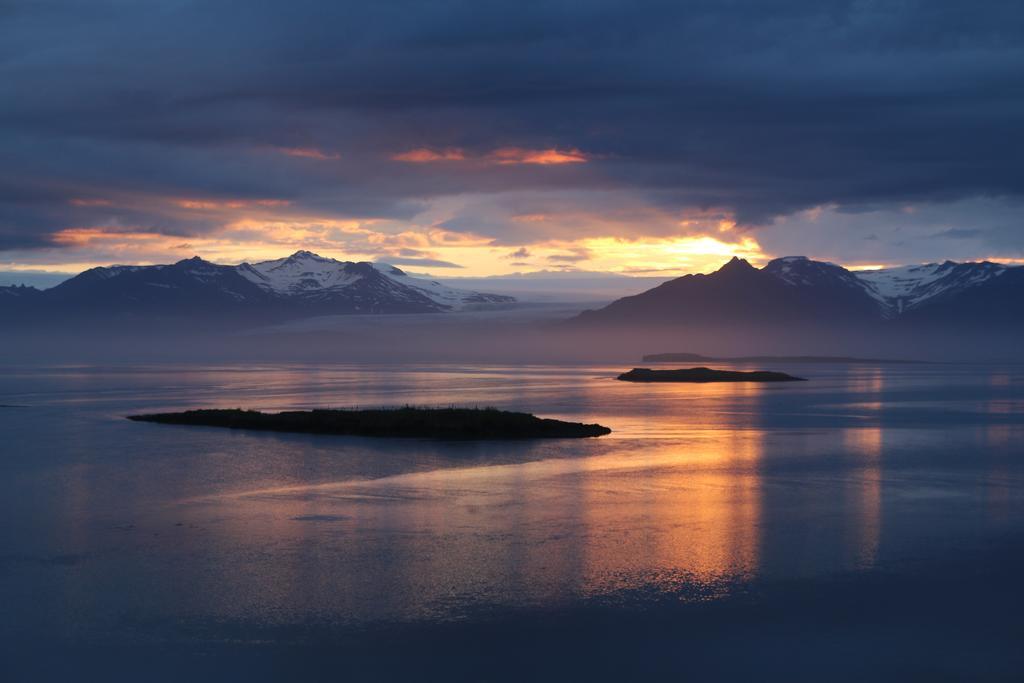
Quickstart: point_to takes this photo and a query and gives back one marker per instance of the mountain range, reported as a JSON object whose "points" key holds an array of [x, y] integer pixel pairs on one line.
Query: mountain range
{"points": [[790, 291], [303, 284], [796, 290]]}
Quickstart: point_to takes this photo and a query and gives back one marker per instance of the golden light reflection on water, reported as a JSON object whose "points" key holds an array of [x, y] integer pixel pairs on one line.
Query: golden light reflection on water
{"points": [[672, 501], [698, 491], [698, 524], [651, 514], [678, 499], [999, 434], [865, 443], [866, 520]]}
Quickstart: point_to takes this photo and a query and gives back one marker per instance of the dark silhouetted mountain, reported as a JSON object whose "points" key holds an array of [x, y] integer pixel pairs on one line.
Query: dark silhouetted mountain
{"points": [[302, 284], [796, 290], [823, 281], [18, 299], [738, 292], [21, 292], [188, 286]]}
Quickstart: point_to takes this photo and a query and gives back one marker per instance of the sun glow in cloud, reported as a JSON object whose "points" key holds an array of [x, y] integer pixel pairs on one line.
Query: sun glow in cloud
{"points": [[89, 201], [253, 239], [668, 256], [543, 157], [504, 156], [213, 205], [308, 153], [424, 155], [516, 233]]}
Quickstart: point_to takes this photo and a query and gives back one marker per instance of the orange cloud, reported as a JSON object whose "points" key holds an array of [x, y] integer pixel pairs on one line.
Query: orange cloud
{"points": [[83, 237], [422, 155], [208, 205], [504, 156], [253, 239], [308, 153], [545, 157]]}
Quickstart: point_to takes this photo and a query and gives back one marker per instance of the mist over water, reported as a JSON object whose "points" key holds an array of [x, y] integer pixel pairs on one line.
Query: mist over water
{"points": [[710, 511], [544, 333]]}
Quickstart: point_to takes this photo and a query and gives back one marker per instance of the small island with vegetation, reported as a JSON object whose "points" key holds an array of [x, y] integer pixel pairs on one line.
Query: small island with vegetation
{"points": [[437, 423], [698, 358], [705, 375]]}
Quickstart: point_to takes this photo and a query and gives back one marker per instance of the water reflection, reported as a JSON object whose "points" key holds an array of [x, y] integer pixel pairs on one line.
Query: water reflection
{"points": [[866, 484], [532, 533], [699, 492]]}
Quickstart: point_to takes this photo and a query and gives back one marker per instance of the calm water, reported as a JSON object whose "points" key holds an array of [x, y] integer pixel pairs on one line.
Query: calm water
{"points": [[869, 522]]}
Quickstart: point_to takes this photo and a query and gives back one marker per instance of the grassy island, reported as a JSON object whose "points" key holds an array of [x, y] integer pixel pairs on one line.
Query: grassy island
{"points": [[697, 358], [439, 423], [705, 375]]}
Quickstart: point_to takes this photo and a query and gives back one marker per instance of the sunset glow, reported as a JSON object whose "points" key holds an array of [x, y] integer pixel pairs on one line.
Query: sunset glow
{"points": [[308, 153], [423, 155], [542, 157], [204, 205], [511, 341], [475, 255], [504, 156]]}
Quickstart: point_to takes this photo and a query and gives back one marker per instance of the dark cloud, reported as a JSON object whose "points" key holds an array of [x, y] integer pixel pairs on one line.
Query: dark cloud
{"points": [[910, 236], [761, 108], [960, 233]]}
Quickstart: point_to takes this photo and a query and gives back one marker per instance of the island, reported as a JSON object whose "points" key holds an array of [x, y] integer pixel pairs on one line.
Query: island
{"points": [[705, 375], [436, 423], [698, 358]]}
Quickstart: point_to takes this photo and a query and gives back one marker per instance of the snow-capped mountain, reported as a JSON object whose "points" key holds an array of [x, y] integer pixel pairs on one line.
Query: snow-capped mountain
{"points": [[908, 287], [796, 289], [302, 284], [895, 290], [823, 280], [370, 286]]}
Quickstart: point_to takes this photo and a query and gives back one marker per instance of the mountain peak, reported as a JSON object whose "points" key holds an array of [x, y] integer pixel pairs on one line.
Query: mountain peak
{"points": [[304, 255], [736, 265], [194, 261]]}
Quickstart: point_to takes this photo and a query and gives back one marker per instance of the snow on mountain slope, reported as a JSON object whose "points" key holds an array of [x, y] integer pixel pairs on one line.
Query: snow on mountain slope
{"points": [[801, 271], [893, 290], [301, 273], [906, 287], [442, 294], [314, 277]]}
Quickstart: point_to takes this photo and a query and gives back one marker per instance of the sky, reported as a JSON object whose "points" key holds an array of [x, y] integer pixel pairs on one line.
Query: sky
{"points": [[471, 138]]}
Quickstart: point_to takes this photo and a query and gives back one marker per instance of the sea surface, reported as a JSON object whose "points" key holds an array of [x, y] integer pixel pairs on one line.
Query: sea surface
{"points": [[867, 524]]}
